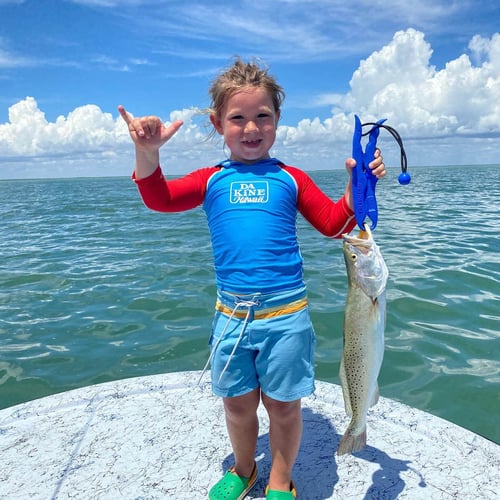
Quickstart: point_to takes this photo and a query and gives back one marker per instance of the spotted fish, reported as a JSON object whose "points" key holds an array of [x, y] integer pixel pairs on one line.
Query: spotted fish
{"points": [[364, 324]]}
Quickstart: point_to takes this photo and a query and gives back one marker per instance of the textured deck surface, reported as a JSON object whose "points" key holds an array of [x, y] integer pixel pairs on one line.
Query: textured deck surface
{"points": [[163, 437]]}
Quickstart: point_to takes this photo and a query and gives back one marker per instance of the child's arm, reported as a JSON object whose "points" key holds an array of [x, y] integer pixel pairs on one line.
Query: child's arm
{"points": [[329, 217], [149, 134]]}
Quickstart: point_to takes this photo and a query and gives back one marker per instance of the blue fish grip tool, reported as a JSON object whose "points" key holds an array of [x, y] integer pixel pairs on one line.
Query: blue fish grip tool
{"points": [[363, 180]]}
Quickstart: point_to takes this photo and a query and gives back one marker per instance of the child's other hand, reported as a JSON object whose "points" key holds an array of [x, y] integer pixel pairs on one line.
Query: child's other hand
{"points": [[377, 166], [148, 132]]}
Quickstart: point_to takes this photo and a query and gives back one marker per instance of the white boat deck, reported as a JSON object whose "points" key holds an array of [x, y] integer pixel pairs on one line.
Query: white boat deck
{"points": [[163, 437]]}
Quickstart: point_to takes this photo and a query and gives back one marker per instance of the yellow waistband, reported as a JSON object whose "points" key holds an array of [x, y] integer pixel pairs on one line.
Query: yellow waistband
{"points": [[271, 312]]}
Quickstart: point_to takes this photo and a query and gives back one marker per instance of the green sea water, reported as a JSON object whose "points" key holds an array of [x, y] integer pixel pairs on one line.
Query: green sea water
{"points": [[95, 287]]}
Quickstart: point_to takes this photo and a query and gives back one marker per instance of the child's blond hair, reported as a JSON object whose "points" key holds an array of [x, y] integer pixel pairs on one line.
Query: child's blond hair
{"points": [[239, 76]]}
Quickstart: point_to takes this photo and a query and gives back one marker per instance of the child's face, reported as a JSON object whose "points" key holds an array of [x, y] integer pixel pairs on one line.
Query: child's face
{"points": [[248, 123]]}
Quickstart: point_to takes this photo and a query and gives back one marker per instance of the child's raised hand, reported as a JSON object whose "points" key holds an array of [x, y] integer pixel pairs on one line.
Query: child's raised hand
{"points": [[148, 132]]}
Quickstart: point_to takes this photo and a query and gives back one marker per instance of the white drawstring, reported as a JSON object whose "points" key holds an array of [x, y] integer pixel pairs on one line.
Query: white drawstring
{"points": [[240, 303]]}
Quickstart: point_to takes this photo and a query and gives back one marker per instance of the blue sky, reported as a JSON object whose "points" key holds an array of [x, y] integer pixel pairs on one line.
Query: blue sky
{"points": [[431, 67]]}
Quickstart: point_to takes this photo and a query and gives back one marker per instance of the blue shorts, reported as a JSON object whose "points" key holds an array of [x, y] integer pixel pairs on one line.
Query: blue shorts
{"points": [[265, 341]]}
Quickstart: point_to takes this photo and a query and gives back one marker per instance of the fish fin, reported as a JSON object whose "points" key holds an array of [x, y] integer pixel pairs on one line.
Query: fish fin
{"points": [[375, 396], [350, 443], [345, 388]]}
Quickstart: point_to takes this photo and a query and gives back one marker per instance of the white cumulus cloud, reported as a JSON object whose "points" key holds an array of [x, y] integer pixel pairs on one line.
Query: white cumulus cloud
{"points": [[399, 82], [448, 115], [86, 129]]}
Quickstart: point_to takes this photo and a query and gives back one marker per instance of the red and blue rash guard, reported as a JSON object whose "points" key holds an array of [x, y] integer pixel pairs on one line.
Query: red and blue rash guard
{"points": [[251, 212]]}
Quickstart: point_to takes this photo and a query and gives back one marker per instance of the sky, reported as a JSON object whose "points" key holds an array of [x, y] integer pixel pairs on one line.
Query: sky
{"points": [[431, 67]]}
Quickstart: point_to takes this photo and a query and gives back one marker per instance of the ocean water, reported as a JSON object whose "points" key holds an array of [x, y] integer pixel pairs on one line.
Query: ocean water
{"points": [[95, 287]]}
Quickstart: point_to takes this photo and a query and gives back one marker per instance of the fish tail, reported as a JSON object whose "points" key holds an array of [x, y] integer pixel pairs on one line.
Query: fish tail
{"points": [[351, 443]]}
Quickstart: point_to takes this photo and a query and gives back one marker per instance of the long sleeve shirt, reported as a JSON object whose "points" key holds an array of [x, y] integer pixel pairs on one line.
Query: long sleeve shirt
{"points": [[251, 212]]}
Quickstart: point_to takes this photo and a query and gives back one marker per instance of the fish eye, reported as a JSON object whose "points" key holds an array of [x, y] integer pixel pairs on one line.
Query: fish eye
{"points": [[354, 257]]}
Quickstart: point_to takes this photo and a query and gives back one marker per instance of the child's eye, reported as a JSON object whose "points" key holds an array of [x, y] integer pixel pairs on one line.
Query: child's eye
{"points": [[236, 117], [264, 115]]}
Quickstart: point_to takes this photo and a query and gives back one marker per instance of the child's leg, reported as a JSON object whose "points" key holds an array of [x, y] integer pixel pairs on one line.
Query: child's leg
{"points": [[243, 428], [285, 434]]}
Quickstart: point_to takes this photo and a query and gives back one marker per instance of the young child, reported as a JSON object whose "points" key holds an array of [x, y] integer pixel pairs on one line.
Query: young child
{"points": [[262, 343]]}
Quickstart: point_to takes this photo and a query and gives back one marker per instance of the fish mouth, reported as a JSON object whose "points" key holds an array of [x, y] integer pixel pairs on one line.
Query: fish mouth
{"points": [[363, 241], [365, 263]]}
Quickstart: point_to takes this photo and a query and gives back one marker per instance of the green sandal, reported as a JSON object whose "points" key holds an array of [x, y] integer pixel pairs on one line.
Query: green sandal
{"points": [[232, 486], [281, 495]]}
